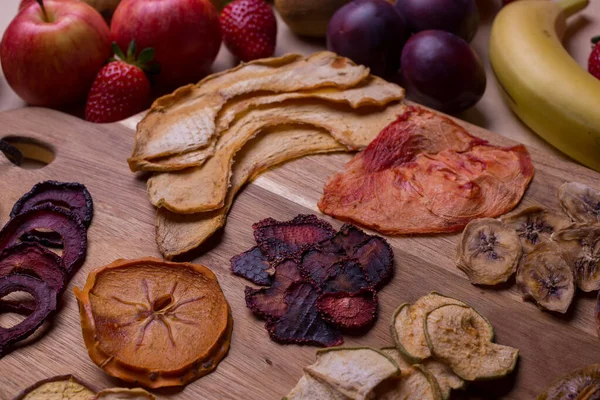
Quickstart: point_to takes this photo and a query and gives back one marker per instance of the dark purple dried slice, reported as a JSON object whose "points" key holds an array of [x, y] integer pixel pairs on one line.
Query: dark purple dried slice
{"points": [[72, 196], [13, 154], [49, 217], [302, 323], [47, 238], [254, 266], [348, 237], [17, 307], [377, 259], [316, 263], [280, 239], [270, 302], [349, 310], [45, 300], [34, 260], [345, 276]]}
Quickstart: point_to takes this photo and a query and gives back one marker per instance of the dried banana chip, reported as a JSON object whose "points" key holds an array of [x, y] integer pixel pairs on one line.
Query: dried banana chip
{"points": [[544, 277], [580, 248], [462, 338], [488, 251], [408, 324], [535, 225], [580, 202], [581, 384]]}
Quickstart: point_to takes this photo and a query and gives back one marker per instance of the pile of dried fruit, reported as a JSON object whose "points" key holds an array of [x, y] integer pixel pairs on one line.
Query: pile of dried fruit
{"points": [[205, 141], [322, 282], [551, 253], [51, 215], [440, 344], [68, 387], [153, 322], [426, 174], [581, 384]]}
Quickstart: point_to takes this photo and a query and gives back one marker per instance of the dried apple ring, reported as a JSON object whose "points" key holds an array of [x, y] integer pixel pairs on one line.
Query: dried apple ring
{"points": [[45, 300], [63, 387], [70, 195], [56, 219], [154, 322]]}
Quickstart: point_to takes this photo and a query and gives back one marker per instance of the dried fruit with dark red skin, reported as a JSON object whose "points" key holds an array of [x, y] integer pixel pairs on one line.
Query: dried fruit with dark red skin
{"points": [[59, 220], [254, 266], [45, 238], [315, 263], [70, 195], [302, 323], [345, 276], [270, 302], [348, 237], [377, 259], [45, 300], [349, 310], [280, 239], [17, 307], [34, 260]]}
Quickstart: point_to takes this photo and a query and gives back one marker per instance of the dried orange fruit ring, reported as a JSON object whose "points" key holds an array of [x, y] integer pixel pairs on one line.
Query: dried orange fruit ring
{"points": [[154, 322]]}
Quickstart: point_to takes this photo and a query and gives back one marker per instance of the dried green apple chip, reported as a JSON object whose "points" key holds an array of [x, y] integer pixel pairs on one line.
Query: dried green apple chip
{"points": [[461, 338], [488, 251], [415, 383], [353, 371], [63, 387], [310, 388], [446, 378], [124, 394], [544, 277], [408, 325], [581, 384]]}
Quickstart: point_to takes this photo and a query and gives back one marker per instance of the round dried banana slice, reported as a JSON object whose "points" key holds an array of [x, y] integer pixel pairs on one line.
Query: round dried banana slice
{"points": [[580, 202], [461, 338], [581, 384], [580, 247], [534, 225], [488, 251], [544, 277]]}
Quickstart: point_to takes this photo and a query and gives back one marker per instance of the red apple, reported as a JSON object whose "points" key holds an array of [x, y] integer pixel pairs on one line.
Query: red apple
{"points": [[185, 35], [51, 55]]}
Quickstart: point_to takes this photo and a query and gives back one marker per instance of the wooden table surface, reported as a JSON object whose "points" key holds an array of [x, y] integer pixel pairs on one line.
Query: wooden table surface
{"points": [[490, 113]]}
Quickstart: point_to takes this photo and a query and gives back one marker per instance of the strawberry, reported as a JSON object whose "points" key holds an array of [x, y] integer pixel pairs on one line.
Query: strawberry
{"points": [[594, 61], [249, 29], [121, 88]]}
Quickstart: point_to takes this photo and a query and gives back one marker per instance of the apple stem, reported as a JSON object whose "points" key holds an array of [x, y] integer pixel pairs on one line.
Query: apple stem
{"points": [[44, 13]]}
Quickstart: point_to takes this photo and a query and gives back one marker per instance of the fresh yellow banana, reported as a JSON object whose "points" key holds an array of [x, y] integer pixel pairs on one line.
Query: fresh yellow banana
{"points": [[541, 82]]}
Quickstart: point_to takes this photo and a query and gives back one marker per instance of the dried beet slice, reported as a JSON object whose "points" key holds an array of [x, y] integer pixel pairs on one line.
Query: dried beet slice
{"points": [[70, 195], [349, 310], [34, 260], [345, 276], [316, 263], [254, 266], [280, 239], [348, 237], [302, 323], [270, 302], [45, 300], [377, 258], [48, 217]]}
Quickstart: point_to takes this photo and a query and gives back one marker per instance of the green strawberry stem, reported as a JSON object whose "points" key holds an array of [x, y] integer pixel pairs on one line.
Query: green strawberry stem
{"points": [[44, 13], [143, 59], [596, 39]]}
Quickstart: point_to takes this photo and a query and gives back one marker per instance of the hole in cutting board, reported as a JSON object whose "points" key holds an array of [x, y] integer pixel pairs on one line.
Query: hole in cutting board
{"points": [[36, 154]]}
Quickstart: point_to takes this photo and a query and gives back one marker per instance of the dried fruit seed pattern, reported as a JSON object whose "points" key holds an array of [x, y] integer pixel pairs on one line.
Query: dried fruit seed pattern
{"points": [[52, 214], [322, 282]]}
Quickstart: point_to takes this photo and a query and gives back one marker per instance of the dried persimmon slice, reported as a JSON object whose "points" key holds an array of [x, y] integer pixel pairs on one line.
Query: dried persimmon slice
{"points": [[154, 322]]}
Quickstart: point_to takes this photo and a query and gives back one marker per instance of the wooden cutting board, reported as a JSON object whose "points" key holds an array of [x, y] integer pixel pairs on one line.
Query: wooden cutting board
{"points": [[256, 368]]}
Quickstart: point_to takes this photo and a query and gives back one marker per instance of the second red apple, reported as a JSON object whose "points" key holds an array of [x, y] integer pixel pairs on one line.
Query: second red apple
{"points": [[185, 35]]}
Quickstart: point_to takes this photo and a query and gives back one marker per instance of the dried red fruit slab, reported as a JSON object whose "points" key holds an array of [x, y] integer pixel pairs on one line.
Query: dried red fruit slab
{"points": [[45, 305], [48, 217], [270, 302], [377, 259], [34, 260], [345, 276], [280, 239], [302, 323], [349, 310], [70, 195], [254, 266]]}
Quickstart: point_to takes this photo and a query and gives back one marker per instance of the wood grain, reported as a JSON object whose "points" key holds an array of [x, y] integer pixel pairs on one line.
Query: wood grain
{"points": [[257, 368]]}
